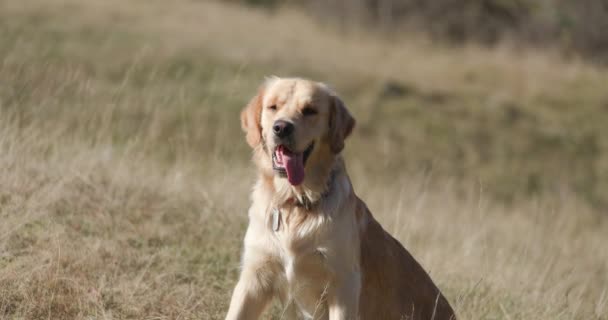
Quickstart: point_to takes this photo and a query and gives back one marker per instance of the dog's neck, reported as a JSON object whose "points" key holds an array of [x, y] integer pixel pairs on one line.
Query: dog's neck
{"points": [[317, 185]]}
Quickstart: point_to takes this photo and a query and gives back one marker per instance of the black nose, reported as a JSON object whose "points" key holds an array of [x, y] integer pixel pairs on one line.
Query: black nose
{"points": [[282, 128]]}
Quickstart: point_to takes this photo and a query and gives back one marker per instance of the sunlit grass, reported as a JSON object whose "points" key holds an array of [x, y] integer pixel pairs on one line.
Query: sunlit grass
{"points": [[124, 176]]}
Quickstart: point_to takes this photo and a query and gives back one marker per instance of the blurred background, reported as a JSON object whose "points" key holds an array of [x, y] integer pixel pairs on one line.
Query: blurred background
{"points": [[481, 144]]}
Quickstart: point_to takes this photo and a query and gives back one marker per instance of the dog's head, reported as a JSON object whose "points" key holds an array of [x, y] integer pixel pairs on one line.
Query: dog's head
{"points": [[295, 125]]}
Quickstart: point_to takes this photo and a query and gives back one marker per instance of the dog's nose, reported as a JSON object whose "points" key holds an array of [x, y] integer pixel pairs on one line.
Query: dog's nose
{"points": [[282, 128]]}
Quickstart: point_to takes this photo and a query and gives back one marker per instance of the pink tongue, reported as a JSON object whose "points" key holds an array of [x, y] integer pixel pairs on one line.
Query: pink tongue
{"points": [[294, 165]]}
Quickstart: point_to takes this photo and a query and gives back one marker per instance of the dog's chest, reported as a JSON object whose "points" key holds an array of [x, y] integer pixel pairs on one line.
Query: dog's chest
{"points": [[303, 256], [301, 242], [304, 284]]}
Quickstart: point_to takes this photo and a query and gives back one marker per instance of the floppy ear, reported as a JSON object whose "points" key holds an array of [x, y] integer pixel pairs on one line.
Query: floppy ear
{"points": [[341, 124], [250, 119]]}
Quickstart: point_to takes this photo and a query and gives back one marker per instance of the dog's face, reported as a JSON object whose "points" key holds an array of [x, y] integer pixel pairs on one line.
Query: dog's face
{"points": [[295, 124]]}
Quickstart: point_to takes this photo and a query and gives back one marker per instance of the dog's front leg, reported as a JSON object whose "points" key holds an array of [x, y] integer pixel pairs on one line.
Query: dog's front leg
{"points": [[343, 299], [251, 295]]}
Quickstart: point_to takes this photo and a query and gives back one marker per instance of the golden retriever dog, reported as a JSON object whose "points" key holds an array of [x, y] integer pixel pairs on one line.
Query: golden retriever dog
{"points": [[311, 241]]}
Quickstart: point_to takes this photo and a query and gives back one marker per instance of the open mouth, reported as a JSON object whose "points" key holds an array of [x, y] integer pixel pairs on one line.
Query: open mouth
{"points": [[291, 164]]}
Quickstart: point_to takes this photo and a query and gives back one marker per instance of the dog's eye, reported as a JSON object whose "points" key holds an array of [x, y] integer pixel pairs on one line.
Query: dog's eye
{"points": [[273, 107], [308, 111]]}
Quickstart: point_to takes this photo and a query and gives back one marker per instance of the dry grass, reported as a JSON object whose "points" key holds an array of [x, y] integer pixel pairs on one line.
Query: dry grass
{"points": [[124, 178]]}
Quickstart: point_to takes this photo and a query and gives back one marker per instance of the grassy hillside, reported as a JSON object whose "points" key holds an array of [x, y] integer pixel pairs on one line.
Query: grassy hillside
{"points": [[124, 176], [572, 27]]}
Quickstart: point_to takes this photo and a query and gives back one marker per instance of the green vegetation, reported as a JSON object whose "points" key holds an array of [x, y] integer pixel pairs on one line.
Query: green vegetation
{"points": [[572, 27]]}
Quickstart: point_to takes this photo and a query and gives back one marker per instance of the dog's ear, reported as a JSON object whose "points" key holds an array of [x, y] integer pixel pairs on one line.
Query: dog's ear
{"points": [[341, 124], [251, 119]]}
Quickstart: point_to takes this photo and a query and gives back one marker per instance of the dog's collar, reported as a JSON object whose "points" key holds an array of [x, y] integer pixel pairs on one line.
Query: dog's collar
{"points": [[306, 203], [300, 203]]}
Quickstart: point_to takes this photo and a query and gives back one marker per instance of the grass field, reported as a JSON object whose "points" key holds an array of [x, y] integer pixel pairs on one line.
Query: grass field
{"points": [[124, 176]]}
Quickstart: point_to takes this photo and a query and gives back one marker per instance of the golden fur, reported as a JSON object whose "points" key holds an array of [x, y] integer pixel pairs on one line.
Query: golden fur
{"points": [[330, 260]]}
